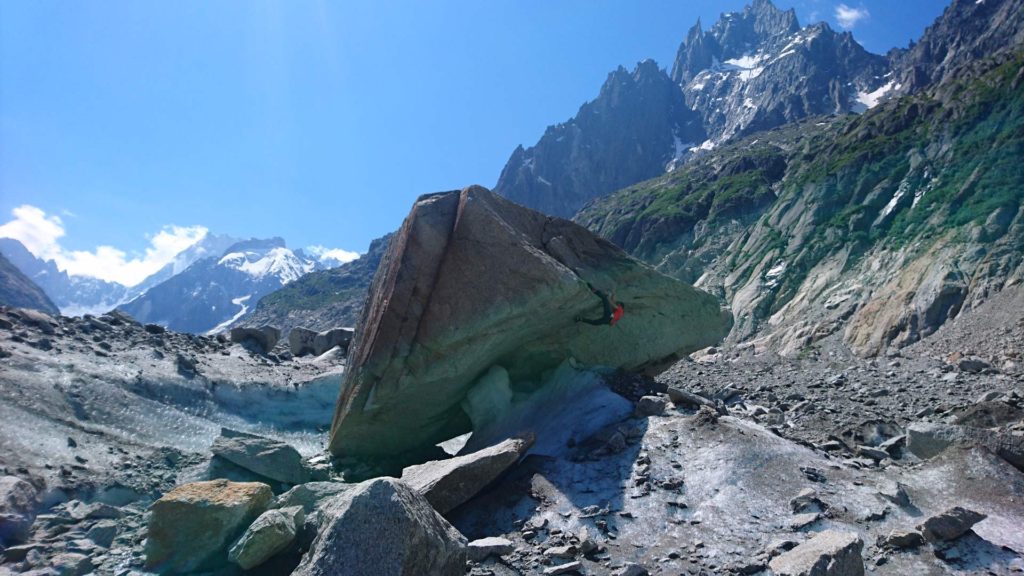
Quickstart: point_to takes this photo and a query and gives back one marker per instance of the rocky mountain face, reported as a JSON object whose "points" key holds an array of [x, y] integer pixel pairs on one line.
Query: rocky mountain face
{"points": [[968, 31], [879, 227], [213, 293], [757, 69], [753, 70], [322, 299], [630, 132], [20, 291]]}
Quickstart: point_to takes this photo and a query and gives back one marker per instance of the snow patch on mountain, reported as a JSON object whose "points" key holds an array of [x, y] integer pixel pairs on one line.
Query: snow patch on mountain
{"points": [[868, 100], [240, 301]]}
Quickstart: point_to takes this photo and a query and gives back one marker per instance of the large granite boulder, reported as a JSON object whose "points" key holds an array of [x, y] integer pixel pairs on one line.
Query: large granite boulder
{"points": [[927, 440], [264, 337], [271, 533], [448, 483], [303, 341], [267, 457], [471, 281], [192, 525], [384, 527], [17, 509]]}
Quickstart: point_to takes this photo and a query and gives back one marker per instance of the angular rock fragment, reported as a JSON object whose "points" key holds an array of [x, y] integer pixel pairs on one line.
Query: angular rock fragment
{"points": [[311, 495], [445, 307], [681, 397], [651, 406], [480, 549], [382, 526], [901, 539], [950, 525], [270, 534], [830, 553], [926, 440], [191, 526], [448, 483], [17, 509], [264, 456]]}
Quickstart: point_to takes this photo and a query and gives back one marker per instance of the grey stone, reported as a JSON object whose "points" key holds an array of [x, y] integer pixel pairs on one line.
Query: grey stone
{"points": [[651, 406], [493, 546], [300, 341], [71, 564], [382, 526], [901, 539], [895, 492], [950, 525], [265, 337], [17, 509], [335, 337], [565, 552], [264, 456], [875, 454], [311, 495], [682, 397], [444, 290], [926, 440], [271, 533], [449, 483], [191, 526], [631, 569], [972, 365], [830, 553], [103, 533]]}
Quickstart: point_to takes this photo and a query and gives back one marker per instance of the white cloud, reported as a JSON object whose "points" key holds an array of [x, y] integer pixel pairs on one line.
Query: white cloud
{"points": [[848, 17], [41, 234], [322, 253]]}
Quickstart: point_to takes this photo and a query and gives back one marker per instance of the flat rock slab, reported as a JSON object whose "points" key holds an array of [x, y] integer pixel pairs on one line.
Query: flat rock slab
{"points": [[382, 526], [264, 456], [448, 483], [191, 526], [927, 440], [472, 280], [830, 553]]}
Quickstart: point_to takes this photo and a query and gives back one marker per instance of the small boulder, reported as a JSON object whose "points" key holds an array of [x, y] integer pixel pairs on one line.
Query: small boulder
{"points": [[480, 549], [17, 509], [651, 406], [567, 568], [268, 458], [265, 337], [901, 539], [382, 526], [300, 341], [950, 525], [830, 553], [269, 535], [191, 526], [324, 341], [631, 569], [972, 365], [448, 483]]}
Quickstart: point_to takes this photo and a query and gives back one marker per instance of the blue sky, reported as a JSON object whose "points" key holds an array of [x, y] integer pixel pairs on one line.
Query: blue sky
{"points": [[125, 123]]}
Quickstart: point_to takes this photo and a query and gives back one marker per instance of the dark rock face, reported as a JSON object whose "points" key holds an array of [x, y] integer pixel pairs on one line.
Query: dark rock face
{"points": [[966, 32], [629, 133], [19, 291], [383, 527], [472, 281]]}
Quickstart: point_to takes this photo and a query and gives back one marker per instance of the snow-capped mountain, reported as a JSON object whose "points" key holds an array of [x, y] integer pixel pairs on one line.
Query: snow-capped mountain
{"points": [[752, 70], [73, 295], [213, 293]]}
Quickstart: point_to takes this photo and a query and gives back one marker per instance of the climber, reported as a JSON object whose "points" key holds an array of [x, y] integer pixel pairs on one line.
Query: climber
{"points": [[613, 310]]}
